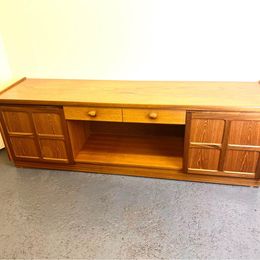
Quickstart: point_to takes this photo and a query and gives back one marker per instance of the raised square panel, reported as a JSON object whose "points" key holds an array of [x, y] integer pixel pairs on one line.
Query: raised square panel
{"points": [[207, 131], [24, 147], [17, 122], [241, 161], [244, 133], [53, 149], [47, 123], [203, 158]]}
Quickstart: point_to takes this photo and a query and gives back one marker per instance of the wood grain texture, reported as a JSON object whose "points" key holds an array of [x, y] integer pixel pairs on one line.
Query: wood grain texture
{"points": [[17, 122], [202, 158], [222, 173], [142, 151], [24, 147], [244, 147], [220, 143], [241, 161], [160, 116], [187, 141], [7, 84], [127, 143], [185, 95], [47, 123], [245, 133], [36, 133], [78, 133], [101, 114], [224, 145], [53, 150], [207, 131], [237, 141], [217, 115]]}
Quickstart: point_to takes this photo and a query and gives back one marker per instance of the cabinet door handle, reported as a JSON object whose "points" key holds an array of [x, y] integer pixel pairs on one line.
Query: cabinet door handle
{"points": [[153, 115], [92, 113]]}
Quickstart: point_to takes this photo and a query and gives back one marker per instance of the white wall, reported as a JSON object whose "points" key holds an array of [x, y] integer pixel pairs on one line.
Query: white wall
{"points": [[133, 39], [5, 74]]}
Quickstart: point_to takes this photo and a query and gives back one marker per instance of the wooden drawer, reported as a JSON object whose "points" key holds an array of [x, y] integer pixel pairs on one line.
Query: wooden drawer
{"points": [[160, 116], [93, 113]]}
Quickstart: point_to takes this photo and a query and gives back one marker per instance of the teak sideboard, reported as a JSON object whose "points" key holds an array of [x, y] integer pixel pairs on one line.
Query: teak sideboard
{"points": [[195, 131]]}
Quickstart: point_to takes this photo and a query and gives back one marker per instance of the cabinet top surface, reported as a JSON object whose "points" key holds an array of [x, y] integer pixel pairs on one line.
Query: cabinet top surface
{"points": [[182, 94]]}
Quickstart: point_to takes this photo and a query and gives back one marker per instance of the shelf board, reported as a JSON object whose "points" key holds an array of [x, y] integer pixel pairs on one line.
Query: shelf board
{"points": [[140, 151]]}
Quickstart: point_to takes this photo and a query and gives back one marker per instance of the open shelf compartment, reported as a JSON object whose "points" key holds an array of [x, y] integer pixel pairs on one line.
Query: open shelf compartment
{"points": [[128, 144]]}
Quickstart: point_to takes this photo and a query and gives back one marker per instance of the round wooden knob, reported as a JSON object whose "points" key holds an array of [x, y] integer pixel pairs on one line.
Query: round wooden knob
{"points": [[92, 113], [153, 115]]}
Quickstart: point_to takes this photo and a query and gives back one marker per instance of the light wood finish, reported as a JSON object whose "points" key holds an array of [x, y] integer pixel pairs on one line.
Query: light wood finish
{"points": [[93, 114], [245, 132], [205, 159], [24, 147], [207, 131], [78, 135], [224, 144], [158, 116], [238, 96], [136, 128], [4, 86], [244, 116], [241, 161], [9, 83], [141, 151], [53, 150], [36, 133], [47, 124], [17, 122], [130, 144]]}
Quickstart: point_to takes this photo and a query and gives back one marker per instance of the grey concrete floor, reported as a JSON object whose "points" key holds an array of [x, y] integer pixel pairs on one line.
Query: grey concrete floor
{"points": [[58, 214]]}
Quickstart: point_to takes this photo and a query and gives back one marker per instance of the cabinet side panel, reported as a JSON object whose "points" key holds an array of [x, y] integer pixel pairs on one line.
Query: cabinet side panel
{"points": [[78, 133]]}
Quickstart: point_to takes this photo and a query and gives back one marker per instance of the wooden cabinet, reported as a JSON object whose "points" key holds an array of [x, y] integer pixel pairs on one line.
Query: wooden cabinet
{"points": [[196, 131], [224, 144], [36, 133]]}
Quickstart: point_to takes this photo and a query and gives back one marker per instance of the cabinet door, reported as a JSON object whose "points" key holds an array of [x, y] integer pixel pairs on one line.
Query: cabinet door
{"points": [[50, 130], [243, 146], [36, 133], [204, 143], [19, 132], [224, 144]]}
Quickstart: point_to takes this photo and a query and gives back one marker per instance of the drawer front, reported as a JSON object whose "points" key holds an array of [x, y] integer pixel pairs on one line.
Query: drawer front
{"points": [[159, 116], [93, 113]]}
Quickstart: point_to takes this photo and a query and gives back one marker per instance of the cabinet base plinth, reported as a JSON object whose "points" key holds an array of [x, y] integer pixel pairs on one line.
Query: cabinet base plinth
{"points": [[141, 172]]}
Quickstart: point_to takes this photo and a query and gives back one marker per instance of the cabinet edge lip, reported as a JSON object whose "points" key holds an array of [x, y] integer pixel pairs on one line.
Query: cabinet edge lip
{"points": [[195, 108], [5, 86]]}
